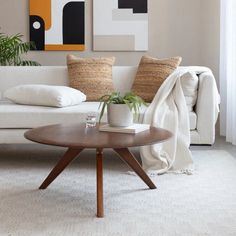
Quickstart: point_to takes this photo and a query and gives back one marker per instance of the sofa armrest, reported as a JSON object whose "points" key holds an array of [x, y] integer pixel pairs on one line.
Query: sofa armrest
{"points": [[207, 107]]}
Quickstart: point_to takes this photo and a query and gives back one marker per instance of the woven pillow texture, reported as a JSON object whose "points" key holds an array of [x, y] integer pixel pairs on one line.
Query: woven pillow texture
{"points": [[151, 73], [92, 76]]}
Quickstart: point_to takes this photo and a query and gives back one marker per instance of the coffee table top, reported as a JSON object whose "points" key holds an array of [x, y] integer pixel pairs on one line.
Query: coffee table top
{"points": [[77, 135]]}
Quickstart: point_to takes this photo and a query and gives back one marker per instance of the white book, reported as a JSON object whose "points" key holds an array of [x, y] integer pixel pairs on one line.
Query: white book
{"points": [[133, 129]]}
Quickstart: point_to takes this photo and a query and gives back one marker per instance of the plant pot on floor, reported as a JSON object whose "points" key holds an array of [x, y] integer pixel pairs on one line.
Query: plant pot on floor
{"points": [[119, 115]]}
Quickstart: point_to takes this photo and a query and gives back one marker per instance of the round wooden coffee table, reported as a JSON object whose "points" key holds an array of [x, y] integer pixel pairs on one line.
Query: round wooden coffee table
{"points": [[77, 137]]}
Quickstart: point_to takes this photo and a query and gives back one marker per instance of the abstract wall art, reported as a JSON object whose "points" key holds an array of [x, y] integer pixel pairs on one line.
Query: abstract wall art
{"points": [[120, 25], [57, 24]]}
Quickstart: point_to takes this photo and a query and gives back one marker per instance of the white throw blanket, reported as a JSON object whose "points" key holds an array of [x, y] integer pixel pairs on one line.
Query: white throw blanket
{"points": [[169, 111]]}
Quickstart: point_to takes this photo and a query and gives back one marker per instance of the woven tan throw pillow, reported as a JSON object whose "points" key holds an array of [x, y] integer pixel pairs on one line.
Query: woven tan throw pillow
{"points": [[92, 76], [151, 74]]}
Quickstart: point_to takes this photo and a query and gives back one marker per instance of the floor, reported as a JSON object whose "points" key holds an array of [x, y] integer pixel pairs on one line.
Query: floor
{"points": [[181, 206], [220, 144]]}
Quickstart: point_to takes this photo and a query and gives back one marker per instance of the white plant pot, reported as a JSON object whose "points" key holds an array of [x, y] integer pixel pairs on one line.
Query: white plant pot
{"points": [[119, 115]]}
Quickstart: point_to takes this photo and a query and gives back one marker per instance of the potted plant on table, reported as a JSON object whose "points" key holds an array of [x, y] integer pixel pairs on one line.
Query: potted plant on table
{"points": [[120, 108]]}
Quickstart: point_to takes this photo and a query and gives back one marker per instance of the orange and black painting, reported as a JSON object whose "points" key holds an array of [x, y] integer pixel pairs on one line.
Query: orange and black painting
{"points": [[57, 25]]}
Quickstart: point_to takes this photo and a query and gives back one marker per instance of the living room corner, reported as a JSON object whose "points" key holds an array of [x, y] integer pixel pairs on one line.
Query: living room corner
{"points": [[117, 117]]}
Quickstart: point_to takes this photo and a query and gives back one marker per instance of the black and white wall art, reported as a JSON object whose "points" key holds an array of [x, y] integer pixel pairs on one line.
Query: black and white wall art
{"points": [[120, 25]]}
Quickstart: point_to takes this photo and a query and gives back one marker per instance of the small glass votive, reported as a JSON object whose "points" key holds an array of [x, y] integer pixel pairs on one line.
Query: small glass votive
{"points": [[91, 119]]}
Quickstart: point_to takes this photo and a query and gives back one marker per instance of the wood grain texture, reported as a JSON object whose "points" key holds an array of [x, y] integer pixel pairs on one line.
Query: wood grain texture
{"points": [[68, 157], [130, 160], [100, 208], [77, 135]]}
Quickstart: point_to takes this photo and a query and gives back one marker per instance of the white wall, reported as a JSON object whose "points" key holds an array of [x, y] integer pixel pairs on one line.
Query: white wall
{"points": [[189, 28]]}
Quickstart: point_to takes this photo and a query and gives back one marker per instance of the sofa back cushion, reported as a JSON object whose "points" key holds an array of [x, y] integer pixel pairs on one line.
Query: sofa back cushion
{"points": [[123, 78], [92, 76], [151, 74], [11, 76]]}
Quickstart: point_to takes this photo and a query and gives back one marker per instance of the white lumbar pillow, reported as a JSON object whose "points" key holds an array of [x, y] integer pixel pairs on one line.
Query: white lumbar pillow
{"points": [[45, 95], [189, 82]]}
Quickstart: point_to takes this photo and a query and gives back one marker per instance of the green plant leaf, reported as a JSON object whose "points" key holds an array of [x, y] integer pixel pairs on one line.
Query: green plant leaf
{"points": [[130, 99], [102, 111], [12, 50]]}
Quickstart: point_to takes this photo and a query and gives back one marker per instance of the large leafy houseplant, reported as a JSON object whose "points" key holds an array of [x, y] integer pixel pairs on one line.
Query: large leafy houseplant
{"points": [[132, 101], [12, 49]]}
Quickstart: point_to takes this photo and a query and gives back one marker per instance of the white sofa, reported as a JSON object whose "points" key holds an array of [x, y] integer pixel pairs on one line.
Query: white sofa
{"points": [[16, 119]]}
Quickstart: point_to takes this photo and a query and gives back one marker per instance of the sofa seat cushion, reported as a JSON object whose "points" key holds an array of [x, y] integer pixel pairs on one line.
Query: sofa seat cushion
{"points": [[15, 116], [25, 116]]}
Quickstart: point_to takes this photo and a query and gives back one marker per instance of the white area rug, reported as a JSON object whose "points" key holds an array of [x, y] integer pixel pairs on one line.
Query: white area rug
{"points": [[201, 204]]}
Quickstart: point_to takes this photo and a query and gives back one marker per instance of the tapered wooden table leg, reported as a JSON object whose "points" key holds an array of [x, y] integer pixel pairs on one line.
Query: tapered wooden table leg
{"points": [[68, 157], [130, 160], [100, 209]]}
